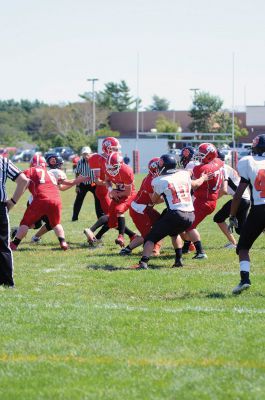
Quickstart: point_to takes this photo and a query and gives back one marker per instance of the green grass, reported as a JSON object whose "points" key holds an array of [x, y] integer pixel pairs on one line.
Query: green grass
{"points": [[80, 325]]}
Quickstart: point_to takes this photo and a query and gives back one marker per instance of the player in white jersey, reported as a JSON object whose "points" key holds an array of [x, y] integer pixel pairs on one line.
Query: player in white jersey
{"points": [[174, 186], [231, 182], [252, 172]]}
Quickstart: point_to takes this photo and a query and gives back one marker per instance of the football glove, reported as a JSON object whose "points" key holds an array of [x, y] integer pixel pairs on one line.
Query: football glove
{"points": [[233, 223]]}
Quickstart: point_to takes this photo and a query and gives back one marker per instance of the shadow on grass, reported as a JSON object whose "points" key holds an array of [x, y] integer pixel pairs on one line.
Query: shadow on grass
{"points": [[216, 295], [199, 295], [110, 268]]}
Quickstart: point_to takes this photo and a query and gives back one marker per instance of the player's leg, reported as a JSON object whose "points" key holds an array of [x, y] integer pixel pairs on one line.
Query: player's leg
{"points": [[251, 230], [21, 233], [82, 190], [59, 232], [219, 218]]}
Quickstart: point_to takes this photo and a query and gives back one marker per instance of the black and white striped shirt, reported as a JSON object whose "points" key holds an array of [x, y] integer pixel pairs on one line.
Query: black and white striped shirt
{"points": [[83, 169], [7, 170]]}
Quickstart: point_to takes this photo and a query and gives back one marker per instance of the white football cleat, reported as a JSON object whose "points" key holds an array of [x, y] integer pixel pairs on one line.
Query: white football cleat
{"points": [[240, 287], [230, 245]]}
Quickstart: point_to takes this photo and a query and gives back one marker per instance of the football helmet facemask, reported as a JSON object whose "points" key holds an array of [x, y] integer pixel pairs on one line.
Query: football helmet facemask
{"points": [[186, 155], [54, 161], [110, 145], [167, 164], [113, 163], [153, 166], [206, 153], [258, 145], [37, 161]]}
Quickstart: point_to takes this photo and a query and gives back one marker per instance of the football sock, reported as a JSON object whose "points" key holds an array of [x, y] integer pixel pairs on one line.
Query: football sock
{"points": [[178, 254], [101, 221], [129, 232], [198, 246], [121, 225], [61, 239], [16, 241], [103, 230], [186, 245], [244, 275]]}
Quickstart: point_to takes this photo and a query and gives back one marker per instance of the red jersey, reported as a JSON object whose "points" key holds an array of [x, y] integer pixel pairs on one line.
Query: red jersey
{"points": [[43, 186], [209, 189], [97, 161], [146, 188], [124, 177], [75, 160]]}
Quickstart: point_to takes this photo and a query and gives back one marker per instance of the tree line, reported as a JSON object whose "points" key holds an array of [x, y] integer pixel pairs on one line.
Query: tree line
{"points": [[24, 122]]}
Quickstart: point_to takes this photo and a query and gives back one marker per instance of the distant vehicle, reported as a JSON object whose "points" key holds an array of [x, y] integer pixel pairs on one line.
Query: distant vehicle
{"points": [[175, 152], [24, 155], [245, 145], [243, 153], [64, 152]]}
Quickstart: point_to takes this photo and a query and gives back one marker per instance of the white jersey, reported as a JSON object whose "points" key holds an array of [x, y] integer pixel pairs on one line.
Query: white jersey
{"points": [[191, 165], [58, 174], [233, 180], [175, 188], [252, 169]]}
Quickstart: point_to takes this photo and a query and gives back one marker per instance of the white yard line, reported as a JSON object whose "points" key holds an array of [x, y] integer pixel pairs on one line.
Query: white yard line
{"points": [[198, 309]]}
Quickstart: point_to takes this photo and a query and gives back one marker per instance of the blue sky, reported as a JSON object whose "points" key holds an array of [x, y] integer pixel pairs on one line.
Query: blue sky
{"points": [[50, 47]]}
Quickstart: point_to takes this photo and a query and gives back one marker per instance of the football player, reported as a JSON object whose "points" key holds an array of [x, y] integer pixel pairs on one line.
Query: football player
{"points": [[231, 182], [97, 163], [206, 195], [44, 187], [175, 187], [251, 170], [122, 193]]}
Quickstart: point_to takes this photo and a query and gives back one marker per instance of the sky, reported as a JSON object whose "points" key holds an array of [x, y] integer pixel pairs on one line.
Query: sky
{"points": [[49, 48]]}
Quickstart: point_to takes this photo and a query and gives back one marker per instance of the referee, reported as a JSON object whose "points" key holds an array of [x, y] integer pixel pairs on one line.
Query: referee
{"points": [[83, 169], [8, 170]]}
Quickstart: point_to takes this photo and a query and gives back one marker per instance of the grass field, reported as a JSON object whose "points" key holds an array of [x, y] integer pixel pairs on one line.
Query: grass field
{"points": [[80, 325]]}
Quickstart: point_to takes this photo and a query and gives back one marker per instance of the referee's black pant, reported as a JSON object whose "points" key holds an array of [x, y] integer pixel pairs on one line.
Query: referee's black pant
{"points": [[6, 258], [80, 196]]}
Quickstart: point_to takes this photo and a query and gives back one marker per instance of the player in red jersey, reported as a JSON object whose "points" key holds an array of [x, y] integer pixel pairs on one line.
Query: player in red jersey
{"points": [[46, 202], [122, 194], [205, 196], [97, 163], [142, 211]]}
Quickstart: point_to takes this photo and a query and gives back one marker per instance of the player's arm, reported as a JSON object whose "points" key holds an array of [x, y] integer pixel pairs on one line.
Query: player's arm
{"points": [[224, 189], [156, 198], [22, 183], [238, 196], [195, 183], [126, 192]]}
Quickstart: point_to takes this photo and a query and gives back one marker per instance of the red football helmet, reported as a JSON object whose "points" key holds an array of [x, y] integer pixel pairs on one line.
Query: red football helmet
{"points": [[113, 163], [153, 166], [206, 153], [110, 144], [37, 161]]}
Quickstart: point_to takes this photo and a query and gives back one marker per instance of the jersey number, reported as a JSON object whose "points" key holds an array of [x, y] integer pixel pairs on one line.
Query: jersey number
{"points": [[42, 177], [180, 193], [260, 182]]}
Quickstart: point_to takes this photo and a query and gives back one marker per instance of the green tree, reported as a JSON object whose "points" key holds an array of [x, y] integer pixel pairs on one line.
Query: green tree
{"points": [[159, 104], [115, 97], [203, 107], [165, 125], [221, 122]]}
